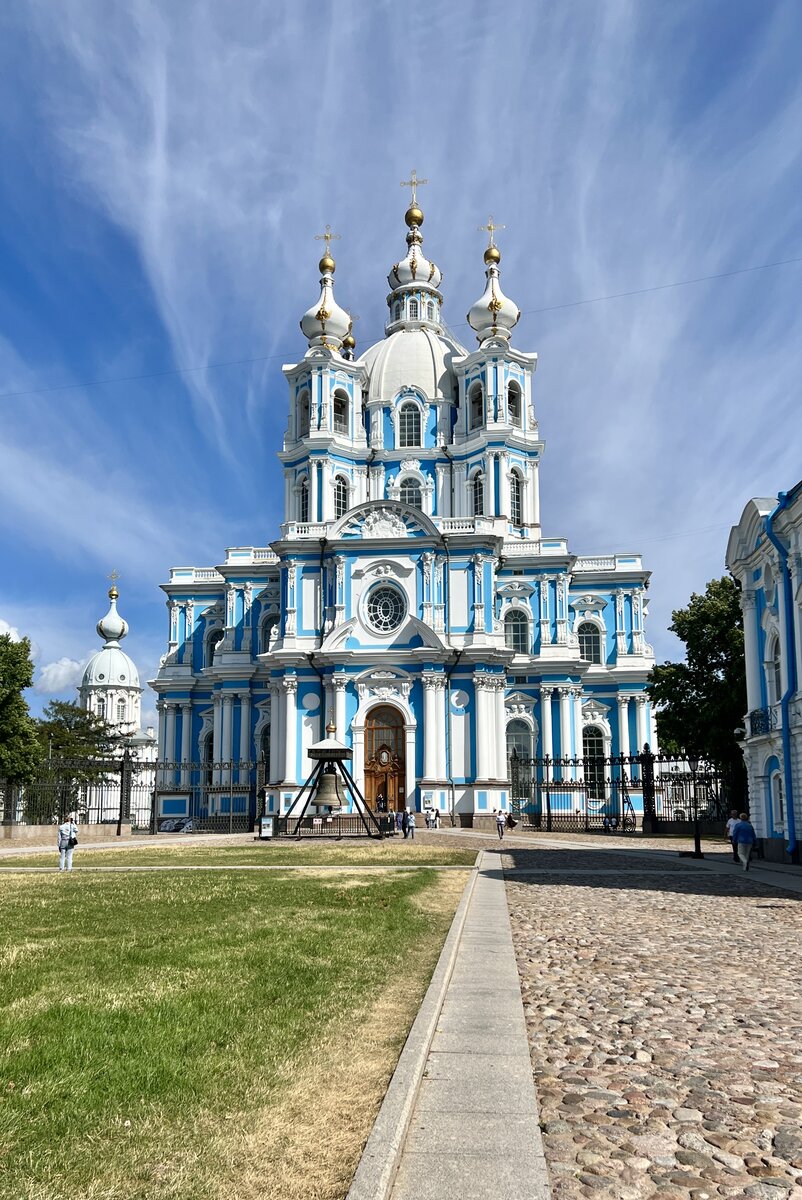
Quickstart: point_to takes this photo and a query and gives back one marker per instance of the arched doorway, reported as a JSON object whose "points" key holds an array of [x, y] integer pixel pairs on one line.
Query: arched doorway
{"points": [[385, 767]]}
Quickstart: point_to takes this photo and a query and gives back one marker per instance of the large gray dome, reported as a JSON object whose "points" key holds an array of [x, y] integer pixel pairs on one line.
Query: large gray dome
{"points": [[110, 667], [412, 358]]}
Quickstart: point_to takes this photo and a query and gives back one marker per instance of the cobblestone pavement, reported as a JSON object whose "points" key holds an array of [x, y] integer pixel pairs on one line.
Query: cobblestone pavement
{"points": [[665, 1024]]}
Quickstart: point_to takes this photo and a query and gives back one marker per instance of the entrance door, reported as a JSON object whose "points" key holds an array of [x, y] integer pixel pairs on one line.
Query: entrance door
{"points": [[385, 771]]}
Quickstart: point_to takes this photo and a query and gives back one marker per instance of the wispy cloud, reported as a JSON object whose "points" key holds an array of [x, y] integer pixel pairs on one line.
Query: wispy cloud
{"points": [[622, 145]]}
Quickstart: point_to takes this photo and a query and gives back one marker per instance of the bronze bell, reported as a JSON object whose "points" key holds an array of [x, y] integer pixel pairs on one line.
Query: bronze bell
{"points": [[329, 791]]}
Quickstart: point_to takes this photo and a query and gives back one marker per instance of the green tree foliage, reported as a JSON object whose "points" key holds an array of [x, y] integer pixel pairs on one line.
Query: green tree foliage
{"points": [[701, 702], [77, 747], [19, 747]]}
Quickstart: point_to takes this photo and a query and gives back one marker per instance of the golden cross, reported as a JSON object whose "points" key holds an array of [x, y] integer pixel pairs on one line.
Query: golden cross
{"points": [[114, 577], [490, 228], [414, 183], [328, 237]]}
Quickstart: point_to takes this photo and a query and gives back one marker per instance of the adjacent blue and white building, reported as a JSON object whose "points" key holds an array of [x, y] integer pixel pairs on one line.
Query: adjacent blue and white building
{"points": [[412, 593], [764, 554]]}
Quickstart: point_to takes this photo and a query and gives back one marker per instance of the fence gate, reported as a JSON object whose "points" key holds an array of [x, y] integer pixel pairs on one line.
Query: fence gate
{"points": [[621, 792]]}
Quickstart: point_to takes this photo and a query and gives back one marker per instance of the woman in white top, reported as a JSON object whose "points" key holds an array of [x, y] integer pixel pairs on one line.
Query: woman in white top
{"points": [[67, 841]]}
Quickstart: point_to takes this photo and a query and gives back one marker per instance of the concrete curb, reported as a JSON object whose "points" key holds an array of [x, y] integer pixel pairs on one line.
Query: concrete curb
{"points": [[377, 1168]]}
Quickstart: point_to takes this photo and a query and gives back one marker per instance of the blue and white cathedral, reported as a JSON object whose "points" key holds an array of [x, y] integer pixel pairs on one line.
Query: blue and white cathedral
{"points": [[412, 596]]}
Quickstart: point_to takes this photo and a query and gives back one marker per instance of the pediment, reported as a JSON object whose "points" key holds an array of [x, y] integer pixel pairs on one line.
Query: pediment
{"points": [[587, 604], [516, 591], [386, 520]]}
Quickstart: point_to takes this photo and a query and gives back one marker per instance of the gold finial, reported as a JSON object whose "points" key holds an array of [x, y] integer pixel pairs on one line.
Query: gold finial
{"points": [[327, 262], [113, 593], [349, 340], [413, 215], [331, 727], [492, 253]]}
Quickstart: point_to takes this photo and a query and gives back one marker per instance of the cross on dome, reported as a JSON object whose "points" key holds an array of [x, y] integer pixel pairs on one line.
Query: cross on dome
{"points": [[490, 228], [493, 315], [326, 324], [114, 576], [414, 183]]}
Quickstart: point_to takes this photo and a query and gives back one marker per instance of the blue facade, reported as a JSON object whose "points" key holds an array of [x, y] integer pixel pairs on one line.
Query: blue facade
{"points": [[410, 597]]}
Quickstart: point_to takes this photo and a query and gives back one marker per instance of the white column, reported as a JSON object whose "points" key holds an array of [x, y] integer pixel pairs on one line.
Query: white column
{"points": [[244, 731], [227, 748], [290, 686], [481, 729], [501, 732], [460, 494], [339, 706], [328, 498], [578, 721], [565, 722], [623, 725], [217, 746], [275, 728], [170, 735], [534, 495], [753, 668], [504, 483], [313, 489], [186, 733], [546, 736], [440, 716], [429, 727], [161, 709], [640, 721]]}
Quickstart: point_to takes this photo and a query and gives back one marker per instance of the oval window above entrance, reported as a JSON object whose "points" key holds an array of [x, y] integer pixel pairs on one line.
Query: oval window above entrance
{"points": [[386, 608]]}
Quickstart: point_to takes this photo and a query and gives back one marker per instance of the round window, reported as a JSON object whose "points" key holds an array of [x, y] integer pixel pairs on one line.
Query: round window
{"points": [[101, 676], [385, 609]]}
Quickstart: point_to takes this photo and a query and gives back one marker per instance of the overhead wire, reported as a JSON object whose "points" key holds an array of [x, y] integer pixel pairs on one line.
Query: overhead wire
{"points": [[260, 358]]}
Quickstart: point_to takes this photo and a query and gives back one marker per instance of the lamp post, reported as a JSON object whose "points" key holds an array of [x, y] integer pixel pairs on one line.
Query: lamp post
{"points": [[693, 763]]}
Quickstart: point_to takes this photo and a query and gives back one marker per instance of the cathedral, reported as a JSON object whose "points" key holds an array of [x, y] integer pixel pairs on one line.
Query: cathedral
{"points": [[412, 597]]}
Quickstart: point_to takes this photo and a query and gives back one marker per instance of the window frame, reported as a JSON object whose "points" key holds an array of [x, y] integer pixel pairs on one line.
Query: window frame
{"points": [[341, 496], [516, 497], [476, 393], [340, 418], [477, 482], [410, 481], [406, 409], [589, 629], [514, 390], [517, 620]]}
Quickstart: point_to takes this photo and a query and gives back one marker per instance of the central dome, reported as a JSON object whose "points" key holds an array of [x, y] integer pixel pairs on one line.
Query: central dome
{"points": [[110, 667], [418, 358]]}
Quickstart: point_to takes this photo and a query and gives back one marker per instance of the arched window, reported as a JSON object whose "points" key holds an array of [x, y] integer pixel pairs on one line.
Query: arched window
{"points": [[478, 494], [516, 632], [589, 642], [340, 412], [212, 642], [777, 805], [413, 310], [776, 683], [303, 500], [120, 710], [268, 632], [264, 751], [303, 414], [593, 754], [397, 311], [207, 757], [519, 739], [516, 492], [409, 424], [340, 497], [430, 311], [101, 707], [476, 404], [514, 404], [410, 493]]}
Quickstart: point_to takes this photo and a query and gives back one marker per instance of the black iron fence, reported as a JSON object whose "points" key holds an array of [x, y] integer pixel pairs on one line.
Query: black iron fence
{"points": [[150, 797], [620, 793]]}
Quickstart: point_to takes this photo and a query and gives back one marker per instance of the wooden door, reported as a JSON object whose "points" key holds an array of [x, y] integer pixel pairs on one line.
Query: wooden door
{"points": [[385, 768]]}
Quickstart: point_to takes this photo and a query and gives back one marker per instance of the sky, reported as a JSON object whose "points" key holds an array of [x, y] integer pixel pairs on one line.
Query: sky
{"points": [[166, 167]]}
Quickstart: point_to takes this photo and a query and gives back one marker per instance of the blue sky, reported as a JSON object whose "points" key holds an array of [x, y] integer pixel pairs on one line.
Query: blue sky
{"points": [[167, 165]]}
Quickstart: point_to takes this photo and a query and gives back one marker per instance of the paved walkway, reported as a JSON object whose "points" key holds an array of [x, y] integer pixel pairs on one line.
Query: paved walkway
{"points": [[474, 1130]]}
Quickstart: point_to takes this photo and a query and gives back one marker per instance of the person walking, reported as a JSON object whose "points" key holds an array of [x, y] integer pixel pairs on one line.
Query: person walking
{"points": [[66, 841], [405, 823], [500, 819], [411, 822], [744, 838], [733, 821]]}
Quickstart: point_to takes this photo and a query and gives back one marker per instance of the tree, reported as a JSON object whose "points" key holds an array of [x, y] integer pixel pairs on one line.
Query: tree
{"points": [[20, 749], [77, 747], [700, 703]]}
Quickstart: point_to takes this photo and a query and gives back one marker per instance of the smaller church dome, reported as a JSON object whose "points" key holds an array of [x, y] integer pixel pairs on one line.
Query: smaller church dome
{"points": [[493, 315], [415, 270], [325, 323], [111, 666]]}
